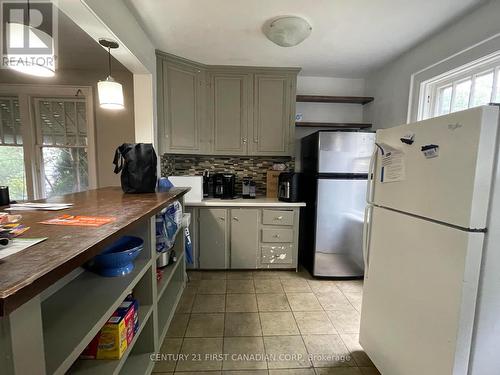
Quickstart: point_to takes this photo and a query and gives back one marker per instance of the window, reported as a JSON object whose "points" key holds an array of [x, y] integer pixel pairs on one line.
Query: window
{"points": [[46, 142], [467, 87], [62, 141], [12, 172]]}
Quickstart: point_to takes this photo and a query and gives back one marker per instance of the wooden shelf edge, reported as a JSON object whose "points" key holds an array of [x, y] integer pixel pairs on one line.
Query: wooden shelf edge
{"points": [[334, 99], [335, 125]]}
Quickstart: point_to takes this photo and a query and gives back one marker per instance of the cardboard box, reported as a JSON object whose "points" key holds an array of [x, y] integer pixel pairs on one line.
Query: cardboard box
{"points": [[136, 312], [127, 311], [272, 183], [118, 332], [110, 342]]}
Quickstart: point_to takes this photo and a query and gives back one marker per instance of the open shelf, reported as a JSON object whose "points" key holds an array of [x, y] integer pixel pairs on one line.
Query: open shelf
{"points": [[138, 364], [112, 366], [168, 301], [139, 361], [75, 313], [168, 273], [334, 99], [334, 125]]}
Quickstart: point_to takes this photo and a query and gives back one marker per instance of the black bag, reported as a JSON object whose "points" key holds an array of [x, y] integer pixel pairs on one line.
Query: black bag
{"points": [[137, 162]]}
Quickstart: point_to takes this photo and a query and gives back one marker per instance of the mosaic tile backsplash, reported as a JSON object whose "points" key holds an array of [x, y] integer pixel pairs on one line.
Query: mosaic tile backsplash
{"points": [[243, 166]]}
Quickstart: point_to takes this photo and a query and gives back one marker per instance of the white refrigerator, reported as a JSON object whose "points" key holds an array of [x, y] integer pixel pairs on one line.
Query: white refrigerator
{"points": [[431, 300]]}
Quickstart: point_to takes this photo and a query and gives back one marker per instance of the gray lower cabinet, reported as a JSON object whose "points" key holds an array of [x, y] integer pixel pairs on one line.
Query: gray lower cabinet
{"points": [[244, 238], [213, 239]]}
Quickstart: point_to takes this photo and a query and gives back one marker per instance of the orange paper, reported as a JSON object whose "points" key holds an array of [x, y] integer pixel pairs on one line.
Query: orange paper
{"points": [[85, 221]]}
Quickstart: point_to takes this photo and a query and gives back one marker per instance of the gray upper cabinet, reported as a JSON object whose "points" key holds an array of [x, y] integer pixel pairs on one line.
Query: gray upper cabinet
{"points": [[182, 109], [273, 124], [244, 238], [230, 112], [225, 110]]}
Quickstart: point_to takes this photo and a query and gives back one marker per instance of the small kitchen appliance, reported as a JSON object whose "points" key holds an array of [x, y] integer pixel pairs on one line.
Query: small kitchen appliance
{"points": [[224, 185], [288, 187], [248, 188]]}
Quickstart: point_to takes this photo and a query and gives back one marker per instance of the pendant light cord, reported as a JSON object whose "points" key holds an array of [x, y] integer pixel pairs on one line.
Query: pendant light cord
{"points": [[109, 60]]}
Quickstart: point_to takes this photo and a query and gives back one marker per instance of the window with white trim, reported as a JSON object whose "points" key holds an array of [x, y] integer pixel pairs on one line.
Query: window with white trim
{"points": [[12, 172], [470, 86], [44, 145]]}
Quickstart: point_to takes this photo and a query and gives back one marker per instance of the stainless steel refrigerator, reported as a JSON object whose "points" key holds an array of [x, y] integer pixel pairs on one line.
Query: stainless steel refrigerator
{"points": [[335, 170]]}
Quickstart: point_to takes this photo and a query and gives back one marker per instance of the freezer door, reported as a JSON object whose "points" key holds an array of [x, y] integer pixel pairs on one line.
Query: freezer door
{"points": [[339, 228], [345, 152], [419, 295], [452, 187]]}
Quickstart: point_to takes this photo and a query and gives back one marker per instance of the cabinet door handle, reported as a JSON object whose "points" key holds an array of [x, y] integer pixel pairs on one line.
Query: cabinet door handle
{"points": [[244, 141], [222, 218], [236, 219]]}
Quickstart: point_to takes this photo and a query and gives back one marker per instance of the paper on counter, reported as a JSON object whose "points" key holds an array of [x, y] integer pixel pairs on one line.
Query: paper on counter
{"points": [[18, 244], [38, 206], [392, 163]]}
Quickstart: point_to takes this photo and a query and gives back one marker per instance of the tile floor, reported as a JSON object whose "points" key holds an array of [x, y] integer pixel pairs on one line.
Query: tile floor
{"points": [[265, 322]]}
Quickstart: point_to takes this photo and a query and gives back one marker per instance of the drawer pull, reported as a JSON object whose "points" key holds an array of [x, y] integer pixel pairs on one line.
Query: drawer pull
{"points": [[236, 218], [278, 218], [276, 236], [222, 218]]}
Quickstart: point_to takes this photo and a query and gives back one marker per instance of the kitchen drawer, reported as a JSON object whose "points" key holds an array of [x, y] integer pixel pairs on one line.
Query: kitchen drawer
{"points": [[277, 235], [277, 217], [276, 254]]}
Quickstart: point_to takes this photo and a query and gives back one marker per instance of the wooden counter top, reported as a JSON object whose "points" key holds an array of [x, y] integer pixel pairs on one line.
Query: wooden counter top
{"points": [[27, 273]]}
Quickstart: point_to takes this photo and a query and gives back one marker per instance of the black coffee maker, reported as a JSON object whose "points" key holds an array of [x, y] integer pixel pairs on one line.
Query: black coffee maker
{"points": [[224, 185]]}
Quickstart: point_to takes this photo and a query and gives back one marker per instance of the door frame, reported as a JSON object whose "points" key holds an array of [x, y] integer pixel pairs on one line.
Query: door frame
{"points": [[25, 94]]}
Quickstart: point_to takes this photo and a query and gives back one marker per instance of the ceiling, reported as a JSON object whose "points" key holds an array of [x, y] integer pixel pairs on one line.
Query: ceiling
{"points": [[77, 50], [349, 37]]}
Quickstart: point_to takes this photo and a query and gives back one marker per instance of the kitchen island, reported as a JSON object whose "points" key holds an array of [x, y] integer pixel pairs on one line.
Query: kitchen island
{"points": [[51, 307]]}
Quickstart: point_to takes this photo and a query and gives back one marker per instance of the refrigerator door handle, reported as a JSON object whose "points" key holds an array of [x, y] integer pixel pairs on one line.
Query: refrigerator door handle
{"points": [[371, 177], [367, 237]]}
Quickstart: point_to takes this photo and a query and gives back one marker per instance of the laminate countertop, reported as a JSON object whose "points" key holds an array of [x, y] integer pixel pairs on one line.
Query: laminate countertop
{"points": [[27, 273], [240, 202]]}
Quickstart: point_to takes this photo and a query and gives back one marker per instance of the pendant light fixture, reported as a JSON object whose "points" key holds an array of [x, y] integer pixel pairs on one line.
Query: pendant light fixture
{"points": [[110, 91]]}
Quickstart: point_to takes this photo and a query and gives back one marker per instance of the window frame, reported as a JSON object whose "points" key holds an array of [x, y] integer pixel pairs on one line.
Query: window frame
{"points": [[32, 152], [429, 89]]}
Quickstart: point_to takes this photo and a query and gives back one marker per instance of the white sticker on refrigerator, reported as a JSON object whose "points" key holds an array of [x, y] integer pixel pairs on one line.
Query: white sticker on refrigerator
{"points": [[393, 164]]}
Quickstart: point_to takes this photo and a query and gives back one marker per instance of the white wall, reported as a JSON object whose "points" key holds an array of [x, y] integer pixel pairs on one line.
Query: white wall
{"points": [[326, 112], [391, 85]]}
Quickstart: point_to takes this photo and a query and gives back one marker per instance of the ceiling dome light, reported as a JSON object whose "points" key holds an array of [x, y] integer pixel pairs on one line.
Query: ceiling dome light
{"points": [[110, 92], [287, 31]]}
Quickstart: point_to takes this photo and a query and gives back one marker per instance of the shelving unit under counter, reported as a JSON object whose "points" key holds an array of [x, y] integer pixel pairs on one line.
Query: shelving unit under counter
{"points": [[68, 304]]}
